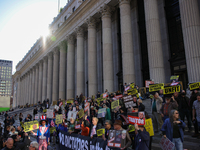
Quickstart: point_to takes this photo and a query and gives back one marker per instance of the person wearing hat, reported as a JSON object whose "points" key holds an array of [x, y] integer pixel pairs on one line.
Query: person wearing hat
{"points": [[168, 106], [118, 126], [43, 134]]}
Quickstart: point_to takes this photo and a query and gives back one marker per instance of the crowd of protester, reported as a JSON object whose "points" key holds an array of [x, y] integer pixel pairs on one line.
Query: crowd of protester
{"points": [[168, 114]]}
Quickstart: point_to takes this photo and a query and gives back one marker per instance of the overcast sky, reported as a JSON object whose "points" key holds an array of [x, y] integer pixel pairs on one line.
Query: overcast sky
{"points": [[22, 22]]}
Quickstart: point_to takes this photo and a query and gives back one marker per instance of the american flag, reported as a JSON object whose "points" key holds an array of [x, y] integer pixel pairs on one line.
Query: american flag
{"points": [[60, 104], [52, 123]]}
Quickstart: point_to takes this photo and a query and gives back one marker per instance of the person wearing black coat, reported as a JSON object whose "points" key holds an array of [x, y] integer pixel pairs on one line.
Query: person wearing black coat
{"points": [[141, 107], [21, 145], [142, 138]]}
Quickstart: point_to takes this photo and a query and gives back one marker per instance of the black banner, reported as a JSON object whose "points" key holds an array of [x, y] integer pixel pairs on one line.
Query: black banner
{"points": [[78, 142]]}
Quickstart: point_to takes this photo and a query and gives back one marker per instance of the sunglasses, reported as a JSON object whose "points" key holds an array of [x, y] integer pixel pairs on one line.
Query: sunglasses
{"points": [[106, 124]]}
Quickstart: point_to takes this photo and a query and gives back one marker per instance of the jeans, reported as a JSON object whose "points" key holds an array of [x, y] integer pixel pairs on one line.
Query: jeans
{"points": [[178, 143]]}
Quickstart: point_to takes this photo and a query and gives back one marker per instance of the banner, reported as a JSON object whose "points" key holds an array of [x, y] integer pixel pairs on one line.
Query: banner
{"points": [[71, 114], [101, 113], [114, 104], [72, 141], [59, 119], [81, 113], [149, 126], [128, 101], [117, 138], [166, 144], [147, 82], [31, 125], [194, 86], [156, 87], [49, 113], [52, 129], [137, 118], [100, 132], [171, 89]]}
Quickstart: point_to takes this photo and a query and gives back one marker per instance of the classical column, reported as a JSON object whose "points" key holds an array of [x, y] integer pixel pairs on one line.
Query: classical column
{"points": [[27, 88], [55, 74], [36, 83], [80, 62], [18, 91], [70, 67], [155, 54], [22, 91], [40, 81], [33, 86], [107, 49], [190, 19], [127, 42], [49, 76], [44, 80], [30, 86], [62, 78], [92, 57]]}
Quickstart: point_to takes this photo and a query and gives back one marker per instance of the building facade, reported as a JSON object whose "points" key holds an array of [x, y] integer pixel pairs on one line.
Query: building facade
{"points": [[5, 77], [100, 44]]}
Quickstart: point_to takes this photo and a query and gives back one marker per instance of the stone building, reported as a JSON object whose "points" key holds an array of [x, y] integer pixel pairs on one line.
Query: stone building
{"points": [[100, 44]]}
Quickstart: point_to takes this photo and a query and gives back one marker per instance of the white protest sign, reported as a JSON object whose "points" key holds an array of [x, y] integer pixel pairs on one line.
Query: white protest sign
{"points": [[56, 107], [166, 144], [49, 113], [36, 116], [71, 114]]}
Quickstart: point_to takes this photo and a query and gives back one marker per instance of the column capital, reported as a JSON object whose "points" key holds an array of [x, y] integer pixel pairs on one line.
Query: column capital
{"points": [[63, 45], [124, 2], [79, 31], [91, 22], [106, 10], [70, 39]]}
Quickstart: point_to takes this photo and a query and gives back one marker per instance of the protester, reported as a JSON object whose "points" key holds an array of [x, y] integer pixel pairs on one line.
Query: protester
{"points": [[142, 138], [85, 130], [93, 129], [156, 116], [108, 114], [167, 107], [43, 134], [34, 146], [71, 127], [9, 144], [173, 129], [196, 115], [108, 126], [22, 145], [118, 126], [141, 107], [184, 109]]}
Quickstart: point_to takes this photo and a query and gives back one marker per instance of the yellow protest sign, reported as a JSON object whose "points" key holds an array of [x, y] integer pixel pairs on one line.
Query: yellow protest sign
{"points": [[63, 101], [59, 119], [131, 128], [52, 129], [31, 125], [100, 132], [81, 113], [171, 89], [114, 104], [149, 126], [156, 87], [174, 77], [194, 86], [100, 99], [132, 85], [133, 91], [70, 101], [45, 110]]}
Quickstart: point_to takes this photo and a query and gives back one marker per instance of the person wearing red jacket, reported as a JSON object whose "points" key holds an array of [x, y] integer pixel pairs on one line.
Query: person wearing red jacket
{"points": [[85, 130]]}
